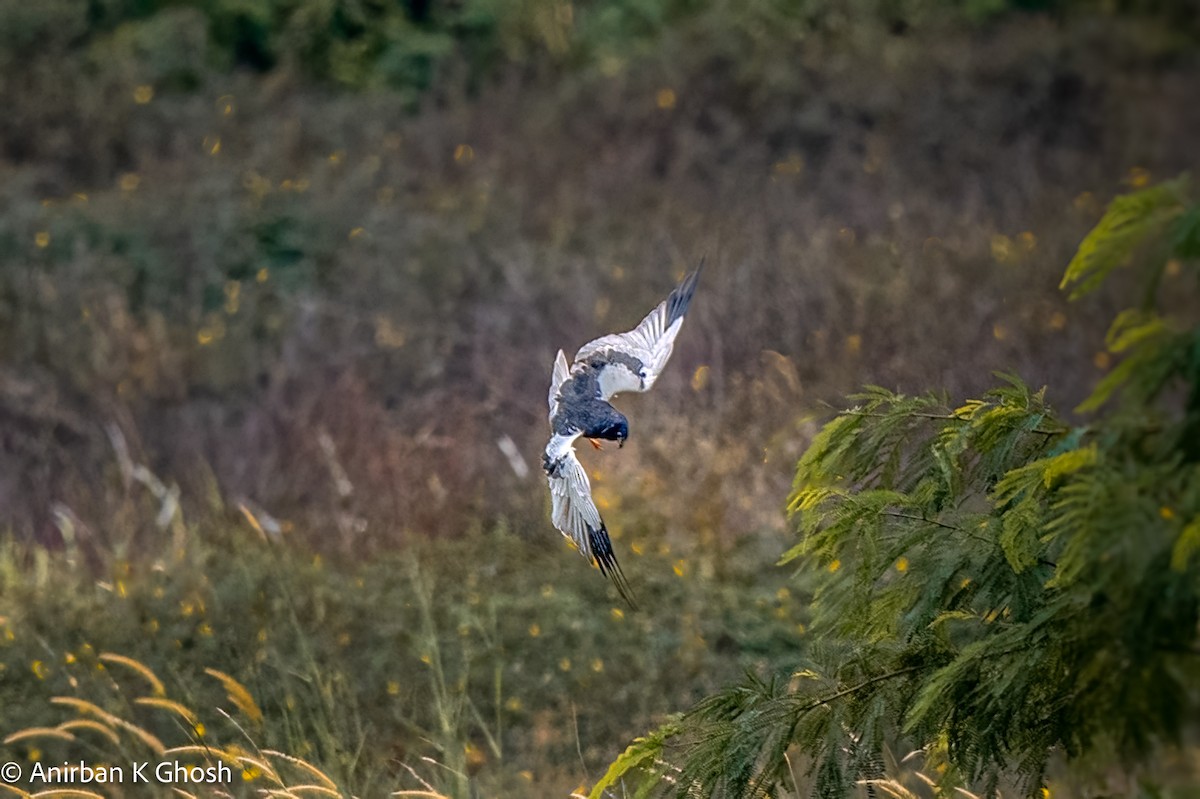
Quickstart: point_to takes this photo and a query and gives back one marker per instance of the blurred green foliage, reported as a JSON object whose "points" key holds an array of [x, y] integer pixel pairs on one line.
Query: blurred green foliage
{"points": [[405, 46], [493, 655]]}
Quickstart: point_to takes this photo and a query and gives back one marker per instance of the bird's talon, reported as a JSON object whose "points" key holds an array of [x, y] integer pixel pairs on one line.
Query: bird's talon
{"points": [[595, 443]]}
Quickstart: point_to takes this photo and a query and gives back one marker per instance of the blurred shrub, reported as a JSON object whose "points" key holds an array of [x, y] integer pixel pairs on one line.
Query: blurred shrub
{"points": [[32, 29], [235, 274], [405, 46], [169, 50]]}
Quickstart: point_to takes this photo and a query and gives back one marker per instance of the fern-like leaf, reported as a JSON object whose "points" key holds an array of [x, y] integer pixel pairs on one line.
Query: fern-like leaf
{"points": [[1129, 221]]}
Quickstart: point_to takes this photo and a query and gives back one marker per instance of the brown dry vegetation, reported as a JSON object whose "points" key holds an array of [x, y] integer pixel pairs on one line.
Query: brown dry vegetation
{"points": [[260, 263]]}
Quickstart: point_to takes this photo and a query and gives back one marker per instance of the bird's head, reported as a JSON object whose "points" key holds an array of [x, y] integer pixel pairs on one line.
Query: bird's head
{"points": [[617, 430]]}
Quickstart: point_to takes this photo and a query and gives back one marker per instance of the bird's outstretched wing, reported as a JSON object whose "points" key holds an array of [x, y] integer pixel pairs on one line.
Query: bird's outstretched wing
{"points": [[558, 376], [575, 514], [633, 361]]}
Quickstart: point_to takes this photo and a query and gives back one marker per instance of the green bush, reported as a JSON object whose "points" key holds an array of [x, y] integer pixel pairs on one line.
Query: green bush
{"points": [[994, 584]]}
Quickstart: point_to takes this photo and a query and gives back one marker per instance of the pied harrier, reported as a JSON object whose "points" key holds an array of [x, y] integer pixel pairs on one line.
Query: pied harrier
{"points": [[579, 406]]}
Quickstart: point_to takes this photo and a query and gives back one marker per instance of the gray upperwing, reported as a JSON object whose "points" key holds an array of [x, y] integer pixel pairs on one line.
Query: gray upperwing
{"points": [[633, 361]]}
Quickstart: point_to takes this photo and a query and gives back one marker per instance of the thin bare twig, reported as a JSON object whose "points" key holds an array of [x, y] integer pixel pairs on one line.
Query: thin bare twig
{"points": [[946, 417], [899, 515], [864, 684]]}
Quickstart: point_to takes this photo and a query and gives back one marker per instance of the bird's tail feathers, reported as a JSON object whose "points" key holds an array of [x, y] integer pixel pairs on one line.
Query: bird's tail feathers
{"points": [[606, 560]]}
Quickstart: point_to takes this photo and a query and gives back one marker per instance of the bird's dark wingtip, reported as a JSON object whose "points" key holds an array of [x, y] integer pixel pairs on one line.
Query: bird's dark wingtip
{"points": [[606, 561], [681, 296]]}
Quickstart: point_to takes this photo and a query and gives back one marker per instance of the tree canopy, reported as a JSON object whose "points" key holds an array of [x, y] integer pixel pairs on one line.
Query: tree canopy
{"points": [[993, 581]]}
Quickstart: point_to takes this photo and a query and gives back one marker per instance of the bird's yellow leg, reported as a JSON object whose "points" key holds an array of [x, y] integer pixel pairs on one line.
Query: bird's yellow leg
{"points": [[595, 443]]}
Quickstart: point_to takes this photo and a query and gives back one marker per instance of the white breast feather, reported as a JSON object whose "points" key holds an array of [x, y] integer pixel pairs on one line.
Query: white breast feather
{"points": [[616, 377]]}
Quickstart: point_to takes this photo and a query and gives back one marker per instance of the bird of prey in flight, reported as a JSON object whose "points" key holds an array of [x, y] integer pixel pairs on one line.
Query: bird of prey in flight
{"points": [[579, 406]]}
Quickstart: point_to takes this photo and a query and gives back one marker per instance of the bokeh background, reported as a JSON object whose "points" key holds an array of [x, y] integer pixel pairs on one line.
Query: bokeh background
{"points": [[281, 282]]}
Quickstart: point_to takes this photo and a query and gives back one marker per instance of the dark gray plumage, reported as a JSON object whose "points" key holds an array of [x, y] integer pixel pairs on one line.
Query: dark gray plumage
{"points": [[581, 409]]}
